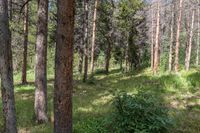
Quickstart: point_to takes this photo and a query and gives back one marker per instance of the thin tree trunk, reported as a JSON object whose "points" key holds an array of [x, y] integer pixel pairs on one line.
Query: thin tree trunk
{"points": [[81, 46], [93, 36], [171, 40], [6, 71], [152, 39], [81, 54], [24, 65], [110, 40], [157, 47], [107, 57], [187, 27], [85, 76], [10, 9], [41, 63], [178, 37], [64, 67], [198, 39], [126, 57], [187, 63], [108, 51]]}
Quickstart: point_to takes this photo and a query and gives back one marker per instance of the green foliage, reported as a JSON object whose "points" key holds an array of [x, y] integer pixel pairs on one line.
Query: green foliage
{"points": [[128, 9], [91, 80], [91, 125], [164, 59], [140, 114]]}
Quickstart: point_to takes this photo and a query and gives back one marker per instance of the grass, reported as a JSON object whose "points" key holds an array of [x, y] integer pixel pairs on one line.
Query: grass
{"points": [[92, 100]]}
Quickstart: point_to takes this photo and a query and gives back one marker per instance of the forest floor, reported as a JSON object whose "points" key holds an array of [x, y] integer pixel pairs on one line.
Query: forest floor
{"points": [[92, 100]]}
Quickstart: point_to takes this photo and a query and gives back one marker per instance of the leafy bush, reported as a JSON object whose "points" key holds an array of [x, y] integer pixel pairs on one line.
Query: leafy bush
{"points": [[140, 114]]}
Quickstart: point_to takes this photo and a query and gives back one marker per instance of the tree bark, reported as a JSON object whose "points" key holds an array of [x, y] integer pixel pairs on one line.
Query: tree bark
{"points": [[85, 76], [64, 67], [198, 35], [81, 46], [41, 63], [109, 37], [81, 54], [126, 57], [10, 9], [171, 40], [94, 35], [187, 28], [152, 39], [176, 67], [108, 56], [189, 48], [157, 45], [6, 71], [25, 45]]}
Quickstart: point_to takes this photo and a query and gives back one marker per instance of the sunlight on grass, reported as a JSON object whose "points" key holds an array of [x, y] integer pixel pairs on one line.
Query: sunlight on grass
{"points": [[24, 88], [92, 102], [87, 110], [103, 100]]}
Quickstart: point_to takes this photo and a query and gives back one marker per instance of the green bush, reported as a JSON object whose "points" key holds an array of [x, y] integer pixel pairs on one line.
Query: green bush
{"points": [[140, 114]]}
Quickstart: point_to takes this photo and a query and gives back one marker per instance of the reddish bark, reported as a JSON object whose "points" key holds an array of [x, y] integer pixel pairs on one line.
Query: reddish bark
{"points": [[176, 67], [93, 36], [64, 67]]}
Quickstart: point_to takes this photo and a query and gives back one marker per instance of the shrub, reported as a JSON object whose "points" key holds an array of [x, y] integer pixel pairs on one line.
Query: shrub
{"points": [[140, 114]]}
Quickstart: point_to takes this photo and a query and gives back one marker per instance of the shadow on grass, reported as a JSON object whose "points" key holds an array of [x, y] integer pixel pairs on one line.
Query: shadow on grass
{"points": [[194, 80], [24, 103], [92, 102], [172, 90], [31, 83]]}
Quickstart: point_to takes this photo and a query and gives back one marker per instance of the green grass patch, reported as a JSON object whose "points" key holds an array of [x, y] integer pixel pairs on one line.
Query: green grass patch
{"points": [[92, 102]]}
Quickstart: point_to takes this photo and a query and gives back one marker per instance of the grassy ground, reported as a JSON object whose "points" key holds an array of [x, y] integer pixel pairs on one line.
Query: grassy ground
{"points": [[92, 100]]}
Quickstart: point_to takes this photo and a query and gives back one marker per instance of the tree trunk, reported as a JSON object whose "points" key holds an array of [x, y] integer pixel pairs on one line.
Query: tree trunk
{"points": [[81, 46], [109, 37], [171, 40], [64, 67], [176, 67], [41, 63], [157, 45], [152, 39], [81, 54], [188, 51], [126, 58], [93, 36], [187, 28], [108, 50], [198, 35], [6, 71], [85, 76], [107, 58], [10, 9], [24, 65]]}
